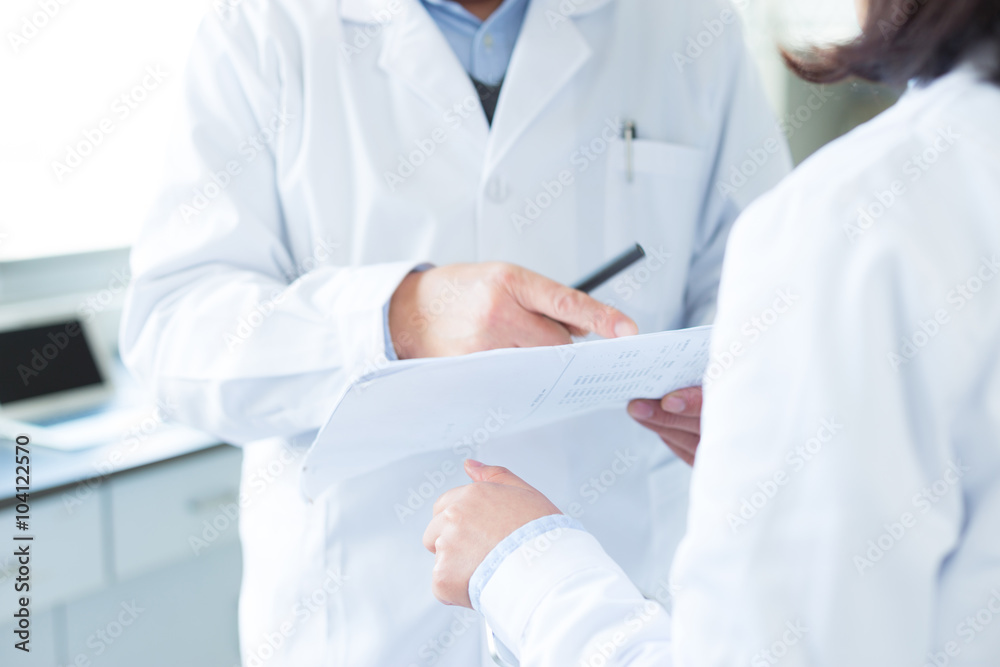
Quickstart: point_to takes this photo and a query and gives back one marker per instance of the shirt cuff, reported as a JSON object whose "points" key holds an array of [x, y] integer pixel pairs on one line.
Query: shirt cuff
{"points": [[531, 575], [390, 349], [512, 543]]}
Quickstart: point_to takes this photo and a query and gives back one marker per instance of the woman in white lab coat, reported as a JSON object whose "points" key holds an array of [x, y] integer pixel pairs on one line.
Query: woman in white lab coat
{"points": [[329, 147], [845, 506]]}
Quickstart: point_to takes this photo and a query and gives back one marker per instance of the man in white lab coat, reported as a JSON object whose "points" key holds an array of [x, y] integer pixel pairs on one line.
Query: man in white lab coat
{"points": [[326, 152]]}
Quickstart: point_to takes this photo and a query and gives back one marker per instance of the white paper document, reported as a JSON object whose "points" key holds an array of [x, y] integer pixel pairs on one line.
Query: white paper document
{"points": [[413, 407]]}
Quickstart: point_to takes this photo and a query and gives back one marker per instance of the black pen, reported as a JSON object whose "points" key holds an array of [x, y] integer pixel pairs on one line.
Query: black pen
{"points": [[611, 269]]}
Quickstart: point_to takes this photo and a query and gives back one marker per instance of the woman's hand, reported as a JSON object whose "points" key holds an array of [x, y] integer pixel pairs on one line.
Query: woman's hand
{"points": [[471, 520], [676, 419]]}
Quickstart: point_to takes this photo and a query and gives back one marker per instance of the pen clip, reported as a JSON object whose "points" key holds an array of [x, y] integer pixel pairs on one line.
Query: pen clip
{"points": [[629, 135]]}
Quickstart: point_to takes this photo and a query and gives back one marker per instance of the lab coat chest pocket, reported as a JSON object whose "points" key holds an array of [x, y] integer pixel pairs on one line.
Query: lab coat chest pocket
{"points": [[654, 192]]}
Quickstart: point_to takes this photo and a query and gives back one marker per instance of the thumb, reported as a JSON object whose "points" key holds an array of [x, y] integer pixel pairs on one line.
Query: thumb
{"points": [[494, 475], [684, 402], [568, 306]]}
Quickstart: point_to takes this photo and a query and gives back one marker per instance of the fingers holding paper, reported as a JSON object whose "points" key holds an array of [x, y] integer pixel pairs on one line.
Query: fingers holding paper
{"points": [[463, 308], [469, 521], [676, 418]]}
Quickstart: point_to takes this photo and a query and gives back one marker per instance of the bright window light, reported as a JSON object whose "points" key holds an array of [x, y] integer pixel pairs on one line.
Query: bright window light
{"points": [[91, 90], [816, 21]]}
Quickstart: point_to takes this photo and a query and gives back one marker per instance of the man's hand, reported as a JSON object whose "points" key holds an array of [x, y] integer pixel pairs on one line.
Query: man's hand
{"points": [[463, 308], [676, 419], [471, 520]]}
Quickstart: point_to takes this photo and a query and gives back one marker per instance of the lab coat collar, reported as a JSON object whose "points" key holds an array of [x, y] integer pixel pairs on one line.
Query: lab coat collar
{"points": [[369, 11], [416, 53], [549, 51], [381, 11]]}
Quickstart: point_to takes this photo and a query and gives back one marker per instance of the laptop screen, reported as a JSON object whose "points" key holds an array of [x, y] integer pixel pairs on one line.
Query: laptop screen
{"points": [[45, 360]]}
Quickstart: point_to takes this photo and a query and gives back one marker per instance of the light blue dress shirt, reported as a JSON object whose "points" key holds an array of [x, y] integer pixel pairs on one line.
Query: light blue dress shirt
{"points": [[483, 47]]}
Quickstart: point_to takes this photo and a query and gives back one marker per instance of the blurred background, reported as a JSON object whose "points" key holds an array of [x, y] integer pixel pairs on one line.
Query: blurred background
{"points": [[139, 561]]}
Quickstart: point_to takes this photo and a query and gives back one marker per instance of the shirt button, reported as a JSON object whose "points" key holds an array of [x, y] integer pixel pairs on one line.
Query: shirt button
{"points": [[488, 41], [498, 190]]}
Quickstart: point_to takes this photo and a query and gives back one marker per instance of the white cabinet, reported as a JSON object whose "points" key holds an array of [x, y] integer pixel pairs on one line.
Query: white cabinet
{"points": [[184, 614], [66, 554], [140, 568], [172, 512]]}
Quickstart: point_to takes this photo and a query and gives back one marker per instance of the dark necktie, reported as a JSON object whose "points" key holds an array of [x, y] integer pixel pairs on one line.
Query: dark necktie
{"points": [[488, 96]]}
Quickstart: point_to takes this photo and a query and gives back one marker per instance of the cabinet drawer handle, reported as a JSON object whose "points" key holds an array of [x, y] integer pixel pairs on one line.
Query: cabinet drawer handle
{"points": [[210, 504]]}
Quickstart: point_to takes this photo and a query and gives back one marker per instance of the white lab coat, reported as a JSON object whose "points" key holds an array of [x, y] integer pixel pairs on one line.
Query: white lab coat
{"points": [[329, 147], [846, 497]]}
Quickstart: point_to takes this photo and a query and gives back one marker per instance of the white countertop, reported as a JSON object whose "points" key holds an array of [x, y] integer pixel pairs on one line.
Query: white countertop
{"points": [[135, 434]]}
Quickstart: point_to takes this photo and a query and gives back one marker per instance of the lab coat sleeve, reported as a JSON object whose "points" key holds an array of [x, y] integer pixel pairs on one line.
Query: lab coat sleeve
{"points": [[559, 599], [236, 334], [747, 131]]}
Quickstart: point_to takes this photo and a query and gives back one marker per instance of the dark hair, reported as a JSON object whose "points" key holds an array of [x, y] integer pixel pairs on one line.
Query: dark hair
{"points": [[908, 39]]}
